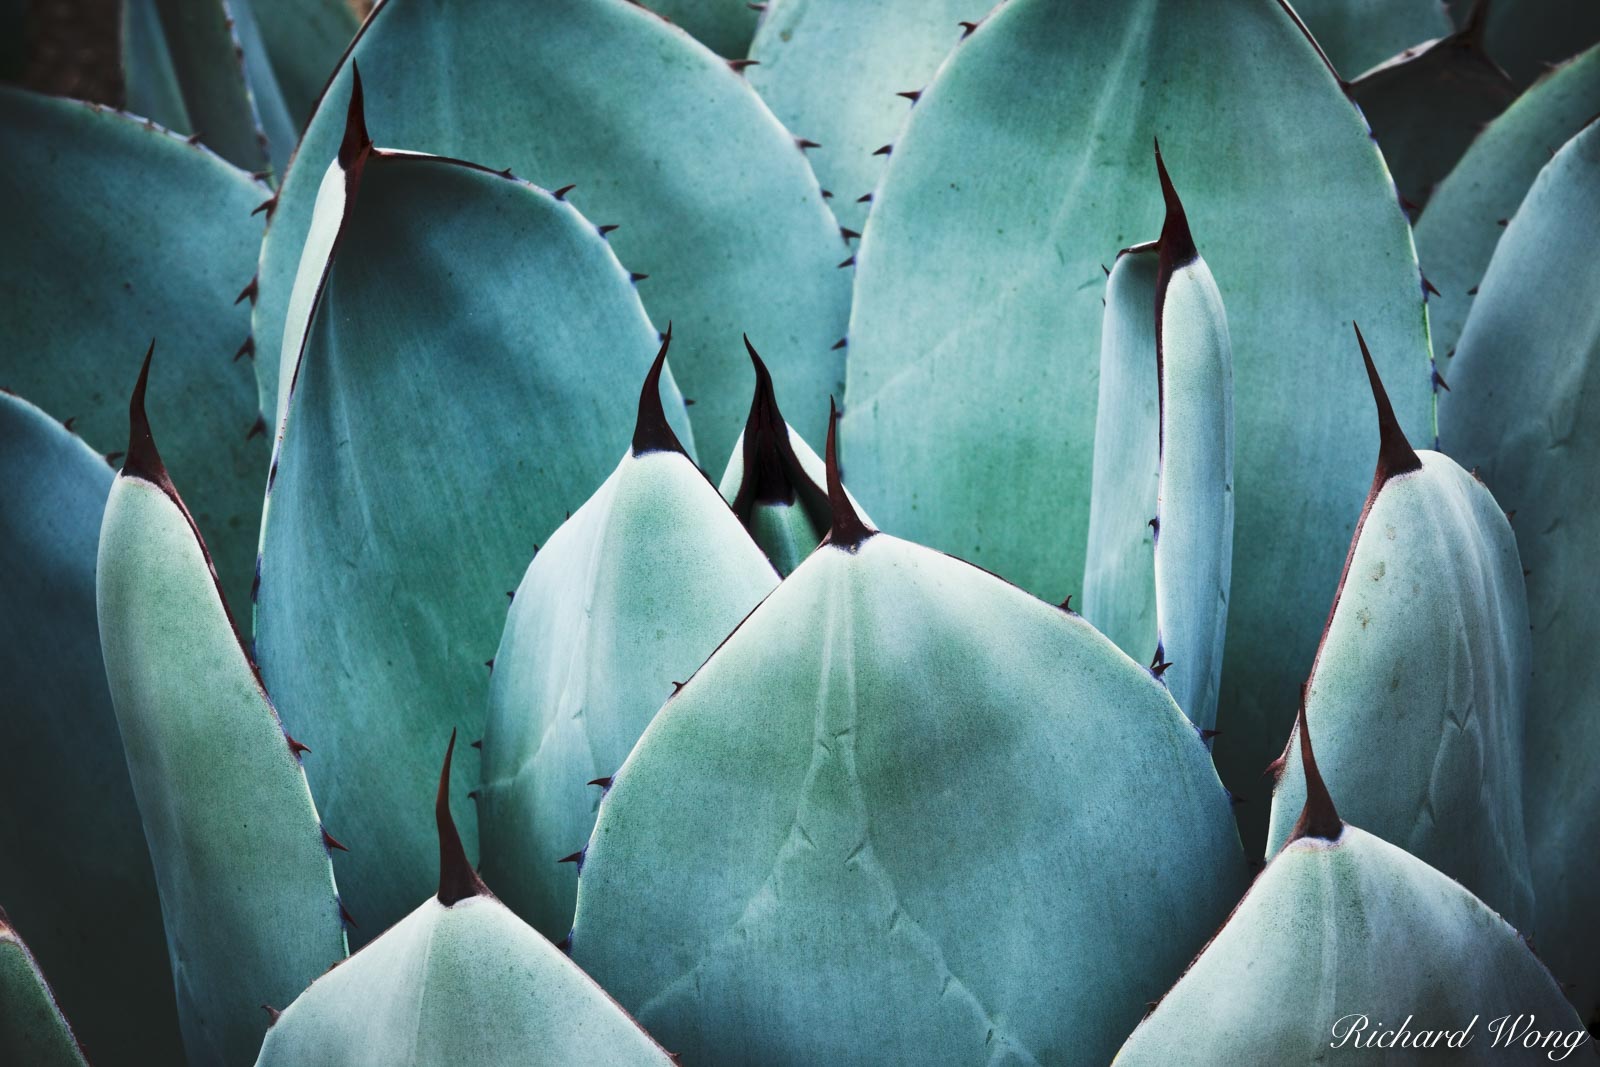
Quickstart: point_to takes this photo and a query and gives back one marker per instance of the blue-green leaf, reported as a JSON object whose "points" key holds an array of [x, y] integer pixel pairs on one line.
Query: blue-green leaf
{"points": [[1160, 554], [974, 339], [1419, 692], [241, 859], [1343, 944], [1427, 104], [454, 397], [715, 202], [32, 1029], [909, 814], [1524, 385], [460, 980], [117, 232], [836, 71], [1359, 34], [626, 599], [1467, 213], [74, 870]]}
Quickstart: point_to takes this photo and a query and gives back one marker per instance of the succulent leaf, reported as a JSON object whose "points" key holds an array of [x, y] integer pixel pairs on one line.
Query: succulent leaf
{"points": [[1359, 34], [1527, 37], [210, 53], [74, 869], [241, 858], [974, 337], [1419, 690], [628, 597], [81, 291], [32, 1029], [1343, 923], [1466, 215], [1427, 104], [724, 26], [817, 845], [774, 481], [713, 198], [1524, 384], [459, 980], [835, 71], [396, 521], [1160, 550], [303, 40]]}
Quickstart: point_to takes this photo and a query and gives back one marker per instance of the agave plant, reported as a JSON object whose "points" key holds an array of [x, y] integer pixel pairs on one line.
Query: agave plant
{"points": [[473, 322]]}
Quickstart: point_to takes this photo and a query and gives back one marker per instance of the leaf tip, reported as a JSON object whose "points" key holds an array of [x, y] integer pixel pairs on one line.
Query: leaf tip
{"points": [[651, 432], [457, 879]]}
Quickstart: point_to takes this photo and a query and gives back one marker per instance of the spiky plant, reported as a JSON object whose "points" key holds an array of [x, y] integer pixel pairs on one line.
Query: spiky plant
{"points": [[773, 770]]}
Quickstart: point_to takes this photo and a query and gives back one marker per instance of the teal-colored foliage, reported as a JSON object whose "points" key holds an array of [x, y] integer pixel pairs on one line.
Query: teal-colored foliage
{"points": [[1161, 518], [74, 869], [974, 333], [1343, 924], [1524, 384], [856, 722], [789, 788], [83, 299], [711, 197], [454, 395], [622, 603], [241, 859], [1419, 692], [459, 980]]}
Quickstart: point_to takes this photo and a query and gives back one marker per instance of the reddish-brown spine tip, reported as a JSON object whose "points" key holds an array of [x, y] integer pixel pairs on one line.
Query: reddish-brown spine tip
{"points": [[143, 460], [457, 879], [651, 432], [772, 472], [1318, 818], [1177, 244], [355, 142], [1395, 454], [332, 842], [848, 531], [273, 1015]]}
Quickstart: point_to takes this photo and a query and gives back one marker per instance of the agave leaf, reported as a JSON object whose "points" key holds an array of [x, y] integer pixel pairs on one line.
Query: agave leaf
{"points": [[1358, 34], [73, 864], [117, 232], [1161, 518], [1467, 213], [774, 481], [1527, 37], [836, 73], [713, 199], [395, 521], [1343, 924], [303, 40], [241, 859], [1427, 104], [859, 722], [210, 52], [150, 84], [32, 1029], [1523, 388], [459, 980], [628, 597], [724, 26], [974, 338], [1419, 690]]}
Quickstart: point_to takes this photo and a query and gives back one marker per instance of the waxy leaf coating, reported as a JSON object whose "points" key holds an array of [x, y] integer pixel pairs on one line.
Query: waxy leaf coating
{"points": [[1524, 385], [908, 808], [460, 980], [974, 337], [240, 855], [626, 599], [715, 204], [74, 869], [455, 396], [117, 232]]}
